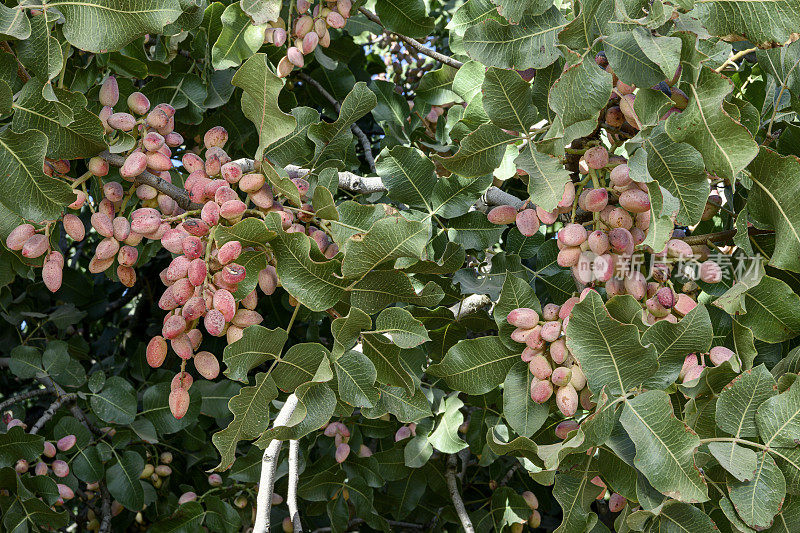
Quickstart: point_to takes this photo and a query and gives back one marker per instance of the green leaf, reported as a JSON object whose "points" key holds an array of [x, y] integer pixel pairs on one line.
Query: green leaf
{"points": [[239, 39], [588, 24], [347, 329], [387, 359], [758, 501], [673, 342], [407, 17], [41, 53], [578, 96], [499, 440], [445, 435], [189, 517], [314, 284], [523, 415], [772, 203], [470, 13], [25, 361], [382, 288], [258, 344], [740, 400], [250, 410], [663, 209], [733, 300], [609, 352], [473, 231], [106, 25], [185, 92], [15, 444], [406, 408], [508, 100], [13, 23], [387, 240], [436, 87], [500, 44], [738, 460], [83, 137], [763, 23], [508, 507], [307, 361], [356, 375], [417, 451], [260, 88], [678, 168], [454, 196], [408, 175], [6, 98], [358, 102], [516, 293], [665, 446], [404, 330], [251, 232], [575, 493], [155, 408], [640, 59], [678, 517], [122, 480], [778, 418], [547, 176], [479, 153], [29, 193], [294, 147], [773, 311], [726, 146], [262, 11], [221, 516], [116, 403], [475, 366]]}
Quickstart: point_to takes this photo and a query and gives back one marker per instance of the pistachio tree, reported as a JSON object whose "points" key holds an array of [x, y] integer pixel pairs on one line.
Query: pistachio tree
{"points": [[416, 265]]}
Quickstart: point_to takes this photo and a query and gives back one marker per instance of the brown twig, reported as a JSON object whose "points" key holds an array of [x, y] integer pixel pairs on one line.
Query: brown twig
{"points": [[455, 495], [77, 412], [357, 131], [20, 397], [51, 411], [721, 236], [510, 474], [413, 43], [181, 196]]}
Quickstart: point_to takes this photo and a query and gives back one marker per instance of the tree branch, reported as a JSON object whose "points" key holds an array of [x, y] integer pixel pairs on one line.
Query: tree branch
{"points": [[22, 396], [372, 184], [510, 474], [413, 43], [105, 523], [181, 196], [77, 412], [269, 463], [51, 411], [291, 492], [358, 132], [721, 236], [458, 503]]}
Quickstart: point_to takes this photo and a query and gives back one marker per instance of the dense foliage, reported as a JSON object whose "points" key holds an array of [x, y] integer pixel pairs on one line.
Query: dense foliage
{"points": [[563, 294]]}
